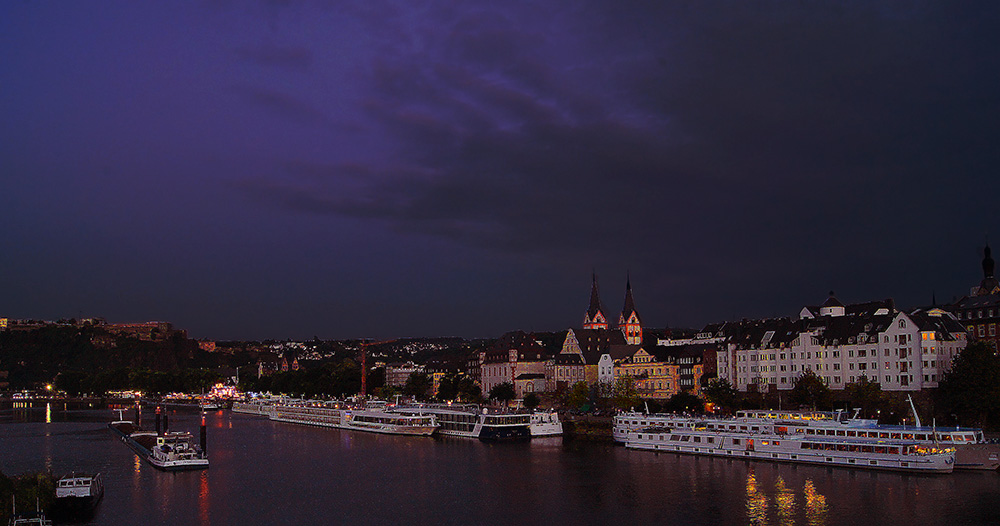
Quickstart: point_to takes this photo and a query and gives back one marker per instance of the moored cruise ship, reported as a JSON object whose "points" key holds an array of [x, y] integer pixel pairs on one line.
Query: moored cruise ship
{"points": [[340, 415], [726, 439], [472, 421], [972, 450]]}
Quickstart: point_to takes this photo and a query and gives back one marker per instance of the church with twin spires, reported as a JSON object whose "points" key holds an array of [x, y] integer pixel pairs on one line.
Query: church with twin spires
{"points": [[588, 354]]}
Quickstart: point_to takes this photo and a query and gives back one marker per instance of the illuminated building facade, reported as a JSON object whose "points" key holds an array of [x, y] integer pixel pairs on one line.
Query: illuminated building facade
{"points": [[842, 344], [516, 358]]}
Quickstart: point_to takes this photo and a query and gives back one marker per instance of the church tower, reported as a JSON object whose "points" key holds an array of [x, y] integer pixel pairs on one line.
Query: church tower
{"points": [[989, 285], [628, 321], [594, 318]]}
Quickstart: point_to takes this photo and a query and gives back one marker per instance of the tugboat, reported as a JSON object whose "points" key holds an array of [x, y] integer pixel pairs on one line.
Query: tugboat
{"points": [[163, 449]]}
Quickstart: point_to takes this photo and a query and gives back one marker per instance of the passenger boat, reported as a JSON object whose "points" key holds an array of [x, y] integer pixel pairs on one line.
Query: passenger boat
{"points": [[79, 492], [262, 406], [473, 421], [727, 439], [545, 423], [972, 449], [379, 421], [371, 418], [166, 450]]}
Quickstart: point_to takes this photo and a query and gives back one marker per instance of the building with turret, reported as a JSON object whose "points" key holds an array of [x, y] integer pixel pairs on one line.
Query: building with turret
{"points": [[979, 312]]}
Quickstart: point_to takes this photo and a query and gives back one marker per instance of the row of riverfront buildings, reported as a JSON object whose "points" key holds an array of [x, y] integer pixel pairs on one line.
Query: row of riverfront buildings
{"points": [[901, 350]]}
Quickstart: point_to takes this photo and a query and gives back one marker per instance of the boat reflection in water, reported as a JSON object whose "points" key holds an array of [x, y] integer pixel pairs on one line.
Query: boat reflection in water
{"points": [[756, 502], [785, 510], [785, 501]]}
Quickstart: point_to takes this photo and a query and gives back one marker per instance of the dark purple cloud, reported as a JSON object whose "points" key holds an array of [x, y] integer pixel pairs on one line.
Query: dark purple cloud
{"points": [[385, 168]]}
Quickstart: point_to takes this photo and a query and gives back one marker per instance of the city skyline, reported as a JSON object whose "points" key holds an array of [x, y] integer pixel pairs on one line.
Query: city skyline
{"points": [[293, 169]]}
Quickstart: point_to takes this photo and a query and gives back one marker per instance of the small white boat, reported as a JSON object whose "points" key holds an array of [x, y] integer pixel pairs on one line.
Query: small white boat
{"points": [[79, 491], [545, 423]]}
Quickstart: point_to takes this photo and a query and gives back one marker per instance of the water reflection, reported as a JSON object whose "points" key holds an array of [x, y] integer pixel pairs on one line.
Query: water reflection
{"points": [[756, 502], [48, 413], [203, 499], [784, 499], [815, 506]]}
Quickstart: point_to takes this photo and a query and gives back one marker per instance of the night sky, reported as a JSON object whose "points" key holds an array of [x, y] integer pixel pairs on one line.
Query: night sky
{"points": [[288, 169]]}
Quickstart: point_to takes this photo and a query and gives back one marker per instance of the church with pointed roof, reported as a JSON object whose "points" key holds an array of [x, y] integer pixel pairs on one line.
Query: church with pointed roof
{"points": [[589, 353], [979, 312]]}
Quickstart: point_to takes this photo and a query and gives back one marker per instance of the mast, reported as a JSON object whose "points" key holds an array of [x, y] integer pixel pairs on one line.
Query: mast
{"points": [[916, 417]]}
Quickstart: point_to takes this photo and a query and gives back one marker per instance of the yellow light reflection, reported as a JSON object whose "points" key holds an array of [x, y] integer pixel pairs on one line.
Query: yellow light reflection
{"points": [[785, 500], [815, 506], [756, 502], [48, 413]]}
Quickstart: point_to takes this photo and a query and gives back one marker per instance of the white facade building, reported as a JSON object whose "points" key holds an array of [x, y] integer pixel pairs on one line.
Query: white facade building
{"points": [[899, 351]]}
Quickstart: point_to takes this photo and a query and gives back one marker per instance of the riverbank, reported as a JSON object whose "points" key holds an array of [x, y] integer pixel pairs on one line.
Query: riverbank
{"points": [[30, 490], [587, 427]]}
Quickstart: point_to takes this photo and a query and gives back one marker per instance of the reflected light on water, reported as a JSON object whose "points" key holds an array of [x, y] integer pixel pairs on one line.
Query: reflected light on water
{"points": [[48, 413], [785, 500], [203, 499], [756, 502], [815, 506]]}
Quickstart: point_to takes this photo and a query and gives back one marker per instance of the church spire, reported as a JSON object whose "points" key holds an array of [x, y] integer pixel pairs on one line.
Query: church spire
{"points": [[990, 284], [595, 319], [629, 321], [987, 263]]}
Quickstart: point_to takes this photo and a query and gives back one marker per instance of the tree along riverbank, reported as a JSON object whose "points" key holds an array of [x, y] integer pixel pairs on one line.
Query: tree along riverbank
{"points": [[31, 491]]}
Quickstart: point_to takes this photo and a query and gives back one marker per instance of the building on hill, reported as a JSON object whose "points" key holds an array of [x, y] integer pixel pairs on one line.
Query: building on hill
{"points": [[397, 374], [147, 331], [842, 345], [514, 355], [979, 312]]}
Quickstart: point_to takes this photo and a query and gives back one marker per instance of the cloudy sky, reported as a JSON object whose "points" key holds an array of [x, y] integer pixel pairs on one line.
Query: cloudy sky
{"points": [[293, 169]]}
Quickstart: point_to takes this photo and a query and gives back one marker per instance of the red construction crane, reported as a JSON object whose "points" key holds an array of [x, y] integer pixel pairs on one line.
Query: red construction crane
{"points": [[364, 364]]}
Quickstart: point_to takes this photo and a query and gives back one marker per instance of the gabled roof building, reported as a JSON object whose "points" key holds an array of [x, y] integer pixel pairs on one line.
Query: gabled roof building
{"points": [[842, 344]]}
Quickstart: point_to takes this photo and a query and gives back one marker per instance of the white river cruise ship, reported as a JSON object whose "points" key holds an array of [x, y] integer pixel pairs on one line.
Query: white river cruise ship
{"points": [[972, 450]]}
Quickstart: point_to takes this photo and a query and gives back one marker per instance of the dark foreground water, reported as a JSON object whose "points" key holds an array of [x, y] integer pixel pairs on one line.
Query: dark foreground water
{"points": [[274, 473]]}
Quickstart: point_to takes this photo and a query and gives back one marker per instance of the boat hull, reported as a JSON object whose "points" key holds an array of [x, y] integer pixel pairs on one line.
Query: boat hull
{"points": [[793, 451], [978, 457]]}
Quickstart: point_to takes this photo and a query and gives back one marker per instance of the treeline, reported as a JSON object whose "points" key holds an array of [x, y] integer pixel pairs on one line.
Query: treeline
{"points": [[37, 356], [76, 383], [332, 379]]}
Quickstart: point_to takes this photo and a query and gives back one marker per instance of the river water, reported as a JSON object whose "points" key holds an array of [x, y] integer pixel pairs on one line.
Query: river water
{"points": [[265, 472]]}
